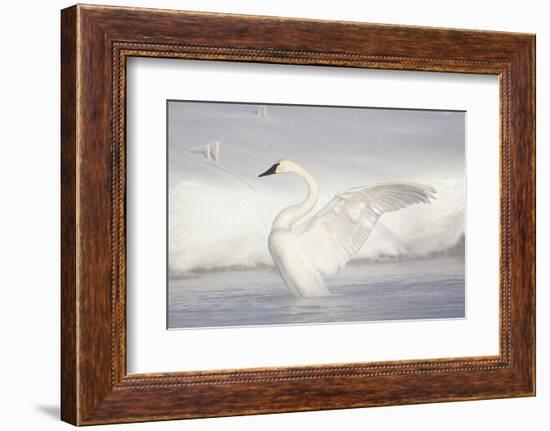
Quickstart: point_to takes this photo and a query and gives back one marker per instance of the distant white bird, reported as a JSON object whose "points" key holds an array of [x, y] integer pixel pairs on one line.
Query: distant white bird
{"points": [[323, 244]]}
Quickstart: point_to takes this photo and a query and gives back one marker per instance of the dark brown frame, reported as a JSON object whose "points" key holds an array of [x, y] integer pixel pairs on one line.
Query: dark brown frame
{"points": [[95, 43]]}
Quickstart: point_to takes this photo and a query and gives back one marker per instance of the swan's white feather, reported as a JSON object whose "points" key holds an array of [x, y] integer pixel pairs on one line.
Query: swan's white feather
{"points": [[331, 237]]}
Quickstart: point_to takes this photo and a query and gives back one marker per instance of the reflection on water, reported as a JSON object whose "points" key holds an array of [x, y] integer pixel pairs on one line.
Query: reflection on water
{"points": [[422, 289]]}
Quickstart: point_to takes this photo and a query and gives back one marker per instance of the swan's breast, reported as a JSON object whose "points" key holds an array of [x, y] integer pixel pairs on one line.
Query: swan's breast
{"points": [[299, 276], [284, 253], [280, 243]]}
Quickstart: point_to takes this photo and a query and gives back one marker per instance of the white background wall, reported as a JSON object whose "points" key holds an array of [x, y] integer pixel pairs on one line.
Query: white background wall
{"points": [[29, 214]]}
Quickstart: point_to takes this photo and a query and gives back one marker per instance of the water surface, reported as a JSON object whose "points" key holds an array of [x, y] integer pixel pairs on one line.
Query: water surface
{"points": [[404, 290]]}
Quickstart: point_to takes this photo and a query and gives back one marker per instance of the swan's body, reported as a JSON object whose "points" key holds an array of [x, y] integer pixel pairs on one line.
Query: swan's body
{"points": [[323, 244]]}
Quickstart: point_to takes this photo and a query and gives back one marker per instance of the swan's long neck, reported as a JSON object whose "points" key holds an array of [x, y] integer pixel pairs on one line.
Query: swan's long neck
{"points": [[289, 216]]}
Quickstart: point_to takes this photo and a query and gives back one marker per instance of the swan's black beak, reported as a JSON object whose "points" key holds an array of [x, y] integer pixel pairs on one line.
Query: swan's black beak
{"points": [[272, 170]]}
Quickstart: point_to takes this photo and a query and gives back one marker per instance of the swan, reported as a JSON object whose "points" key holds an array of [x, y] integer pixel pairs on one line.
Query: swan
{"points": [[324, 243]]}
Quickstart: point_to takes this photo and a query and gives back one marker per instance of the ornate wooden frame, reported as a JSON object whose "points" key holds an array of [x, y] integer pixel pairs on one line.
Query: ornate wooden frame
{"points": [[95, 43]]}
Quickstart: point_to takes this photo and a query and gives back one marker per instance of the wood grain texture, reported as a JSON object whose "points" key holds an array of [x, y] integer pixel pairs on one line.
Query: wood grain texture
{"points": [[96, 41], [69, 397]]}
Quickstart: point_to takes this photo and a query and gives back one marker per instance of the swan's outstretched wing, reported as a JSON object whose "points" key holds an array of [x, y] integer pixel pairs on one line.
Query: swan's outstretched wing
{"points": [[331, 237]]}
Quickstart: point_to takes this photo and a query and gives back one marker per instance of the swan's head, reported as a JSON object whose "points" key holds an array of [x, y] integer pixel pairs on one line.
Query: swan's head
{"points": [[281, 167]]}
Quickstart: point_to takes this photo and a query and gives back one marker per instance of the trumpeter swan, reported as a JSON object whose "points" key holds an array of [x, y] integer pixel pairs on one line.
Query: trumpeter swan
{"points": [[323, 244]]}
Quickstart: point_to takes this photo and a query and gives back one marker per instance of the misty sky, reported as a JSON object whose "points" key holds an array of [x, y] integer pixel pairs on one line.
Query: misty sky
{"points": [[377, 144]]}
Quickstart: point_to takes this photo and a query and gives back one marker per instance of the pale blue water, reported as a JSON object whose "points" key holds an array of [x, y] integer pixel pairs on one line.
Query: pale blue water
{"points": [[419, 289]]}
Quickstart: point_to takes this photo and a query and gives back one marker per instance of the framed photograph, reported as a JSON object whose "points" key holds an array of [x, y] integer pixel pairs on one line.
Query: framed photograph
{"points": [[264, 214]]}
